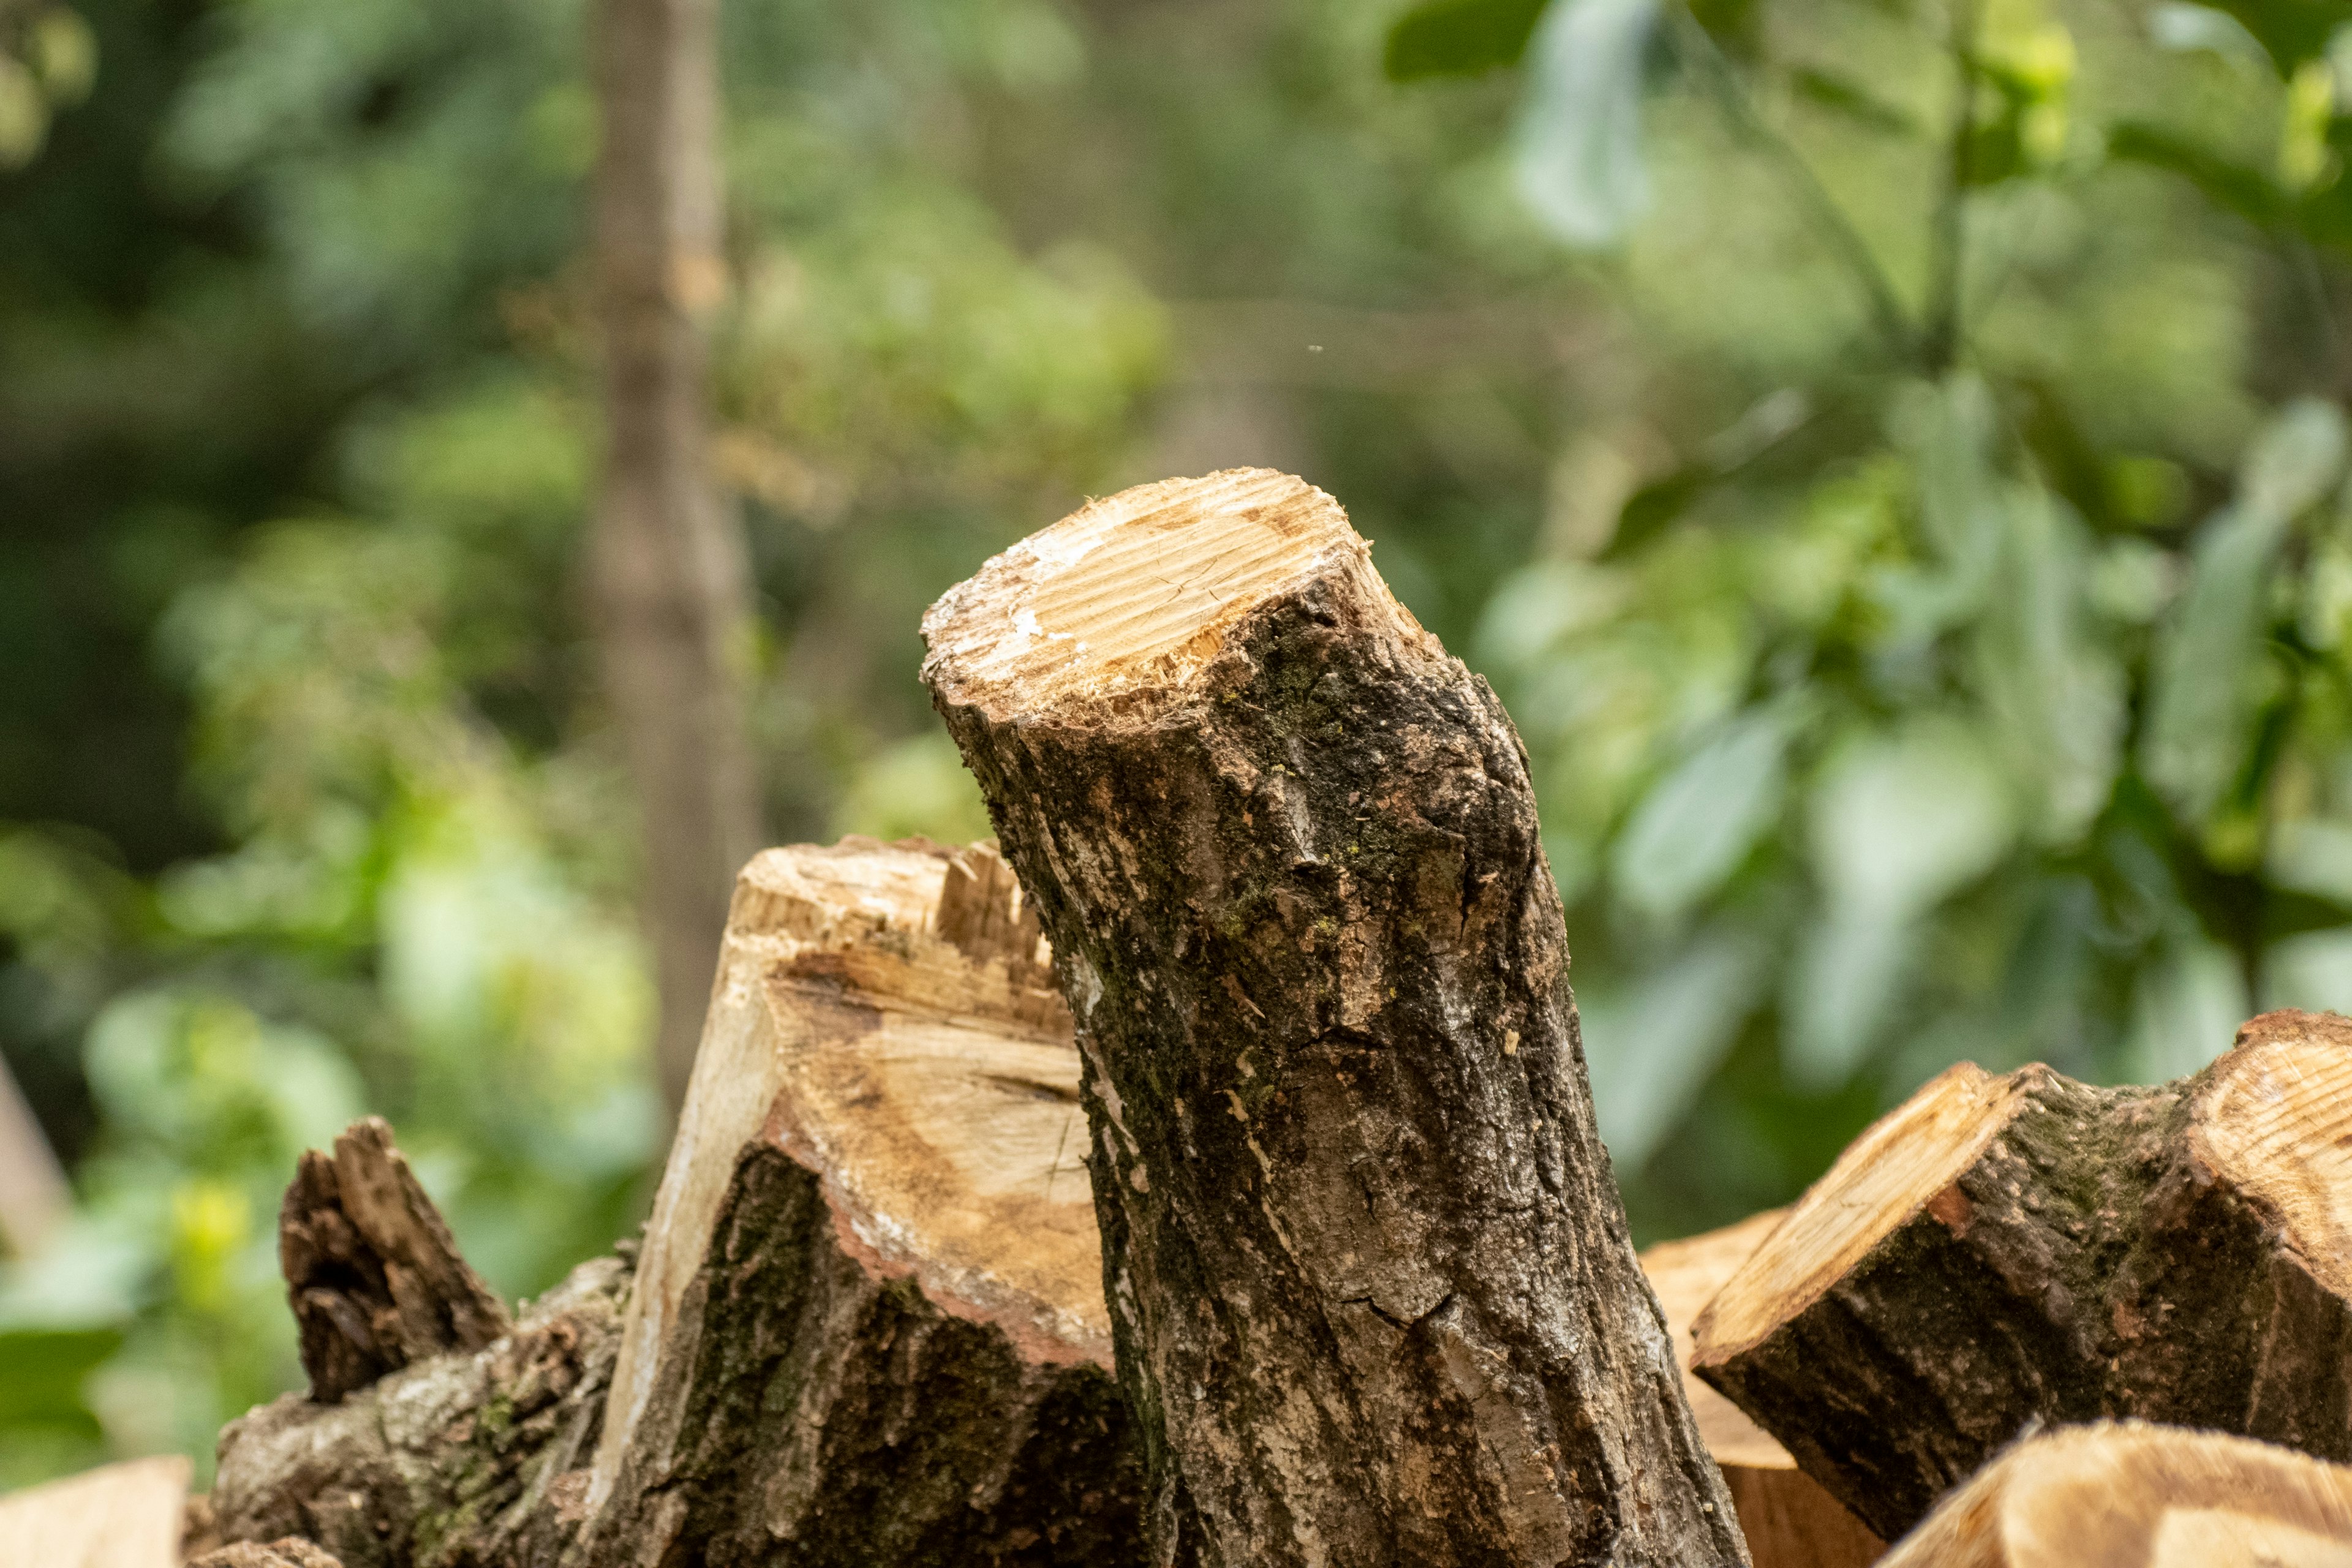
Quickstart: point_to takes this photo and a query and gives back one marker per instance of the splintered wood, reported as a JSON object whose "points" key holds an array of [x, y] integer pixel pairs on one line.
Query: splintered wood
{"points": [[1374, 1299], [123, 1516], [868, 1321], [2003, 1250], [2129, 1495]]}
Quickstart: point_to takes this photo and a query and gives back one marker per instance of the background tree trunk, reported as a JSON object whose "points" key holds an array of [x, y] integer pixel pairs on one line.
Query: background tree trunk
{"points": [[669, 579]]}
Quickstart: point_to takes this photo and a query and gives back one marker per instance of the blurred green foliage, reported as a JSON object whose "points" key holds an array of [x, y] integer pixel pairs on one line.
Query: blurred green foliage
{"points": [[1889, 455]]}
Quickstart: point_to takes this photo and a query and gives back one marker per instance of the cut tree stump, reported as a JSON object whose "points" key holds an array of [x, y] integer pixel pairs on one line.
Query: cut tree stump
{"points": [[2005, 1250], [1373, 1295], [119, 1516], [868, 1324], [2131, 1495], [1789, 1520]]}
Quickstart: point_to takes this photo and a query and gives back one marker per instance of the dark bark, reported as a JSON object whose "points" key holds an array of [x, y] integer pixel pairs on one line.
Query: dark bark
{"points": [[373, 1277], [2131, 1252], [1371, 1288], [669, 579]]}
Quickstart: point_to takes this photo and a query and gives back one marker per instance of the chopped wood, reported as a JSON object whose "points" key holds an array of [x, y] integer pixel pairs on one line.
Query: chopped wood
{"points": [[2005, 1250], [371, 1269], [291, 1552], [869, 1324], [2131, 1495], [1374, 1301], [119, 1516], [1789, 1520]]}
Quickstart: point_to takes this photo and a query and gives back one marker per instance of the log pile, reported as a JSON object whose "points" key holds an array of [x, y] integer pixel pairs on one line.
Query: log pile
{"points": [[1290, 1240]]}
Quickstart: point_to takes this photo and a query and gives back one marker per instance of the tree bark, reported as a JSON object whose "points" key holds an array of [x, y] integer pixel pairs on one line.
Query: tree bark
{"points": [[669, 576], [1789, 1520], [2127, 1495], [1372, 1293], [2005, 1251]]}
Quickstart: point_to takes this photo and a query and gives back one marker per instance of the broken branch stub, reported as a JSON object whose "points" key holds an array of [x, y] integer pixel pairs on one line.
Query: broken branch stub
{"points": [[2004, 1250], [1371, 1286]]}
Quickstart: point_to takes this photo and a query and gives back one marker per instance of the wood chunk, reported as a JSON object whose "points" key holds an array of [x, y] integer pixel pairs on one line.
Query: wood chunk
{"points": [[2131, 1495], [869, 1324], [2005, 1250], [291, 1552], [374, 1277], [1789, 1520], [119, 1516], [1374, 1298]]}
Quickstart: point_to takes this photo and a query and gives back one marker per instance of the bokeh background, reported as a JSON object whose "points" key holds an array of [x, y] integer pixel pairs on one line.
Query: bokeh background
{"points": [[1889, 454]]}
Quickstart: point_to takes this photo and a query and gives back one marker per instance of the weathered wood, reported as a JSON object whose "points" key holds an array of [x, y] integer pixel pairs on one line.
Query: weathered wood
{"points": [[374, 1278], [119, 1516], [291, 1552], [2128, 1495], [1373, 1295], [868, 1327], [2005, 1250], [1789, 1520]]}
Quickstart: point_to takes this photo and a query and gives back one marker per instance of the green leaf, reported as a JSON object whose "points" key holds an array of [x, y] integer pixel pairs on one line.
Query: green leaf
{"points": [[41, 1375], [1458, 37], [1578, 152], [1850, 98], [1903, 820], [1845, 979], [1653, 1049], [2185, 1009], [1698, 823]]}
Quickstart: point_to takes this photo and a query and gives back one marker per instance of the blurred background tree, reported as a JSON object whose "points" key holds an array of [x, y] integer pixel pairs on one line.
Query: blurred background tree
{"points": [[1887, 453]]}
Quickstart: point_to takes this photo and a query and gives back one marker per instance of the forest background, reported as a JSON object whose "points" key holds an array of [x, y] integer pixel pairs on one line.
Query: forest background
{"points": [[1889, 454]]}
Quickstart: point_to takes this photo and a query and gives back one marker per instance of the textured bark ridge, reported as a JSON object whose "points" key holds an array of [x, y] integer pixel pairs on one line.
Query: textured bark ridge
{"points": [[455, 1461], [2128, 1495], [2002, 1251], [1373, 1296], [374, 1278], [868, 1327], [1789, 1520]]}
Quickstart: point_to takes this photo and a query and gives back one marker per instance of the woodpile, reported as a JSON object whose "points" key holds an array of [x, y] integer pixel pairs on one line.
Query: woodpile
{"points": [[1290, 1240]]}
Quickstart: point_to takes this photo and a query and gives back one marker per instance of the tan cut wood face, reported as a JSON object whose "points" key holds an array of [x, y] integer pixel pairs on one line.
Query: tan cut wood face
{"points": [[2275, 1121], [2131, 1495], [120, 1516], [1134, 591], [1902, 1164], [1687, 1275]]}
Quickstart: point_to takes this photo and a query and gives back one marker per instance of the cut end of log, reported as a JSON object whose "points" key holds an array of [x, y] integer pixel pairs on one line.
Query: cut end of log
{"points": [[2131, 1495], [119, 1516], [2275, 1119], [1905, 1162], [371, 1269], [1130, 597]]}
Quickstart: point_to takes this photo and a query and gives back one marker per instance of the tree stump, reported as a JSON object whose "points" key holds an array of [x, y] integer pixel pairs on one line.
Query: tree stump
{"points": [[2005, 1250], [1371, 1288], [869, 1324], [1789, 1520], [2128, 1495]]}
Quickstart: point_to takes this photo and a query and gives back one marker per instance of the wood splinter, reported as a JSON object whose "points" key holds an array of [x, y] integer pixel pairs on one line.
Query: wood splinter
{"points": [[1370, 1277], [2002, 1251]]}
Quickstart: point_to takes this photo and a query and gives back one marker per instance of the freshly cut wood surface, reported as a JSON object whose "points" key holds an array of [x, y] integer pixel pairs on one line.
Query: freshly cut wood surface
{"points": [[1371, 1288], [120, 1516], [2132, 1495], [2005, 1250], [868, 1324], [1789, 1520], [373, 1276]]}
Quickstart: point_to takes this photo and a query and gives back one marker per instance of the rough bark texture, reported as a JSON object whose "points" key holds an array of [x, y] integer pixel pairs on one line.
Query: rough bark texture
{"points": [[2052, 1252], [2127, 1495], [669, 579], [374, 1278], [1371, 1286], [1790, 1521], [291, 1552], [872, 1334], [463, 1460]]}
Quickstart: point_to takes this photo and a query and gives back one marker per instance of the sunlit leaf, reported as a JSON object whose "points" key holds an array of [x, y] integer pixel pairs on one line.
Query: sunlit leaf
{"points": [[1579, 142], [1847, 975], [2312, 970], [63, 53], [2185, 1010], [1901, 821], [2295, 461], [1458, 37], [1699, 821], [1651, 1050], [24, 113], [2184, 27]]}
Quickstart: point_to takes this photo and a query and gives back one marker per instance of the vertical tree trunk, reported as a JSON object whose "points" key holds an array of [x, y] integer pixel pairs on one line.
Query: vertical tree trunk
{"points": [[1370, 1280], [669, 579]]}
